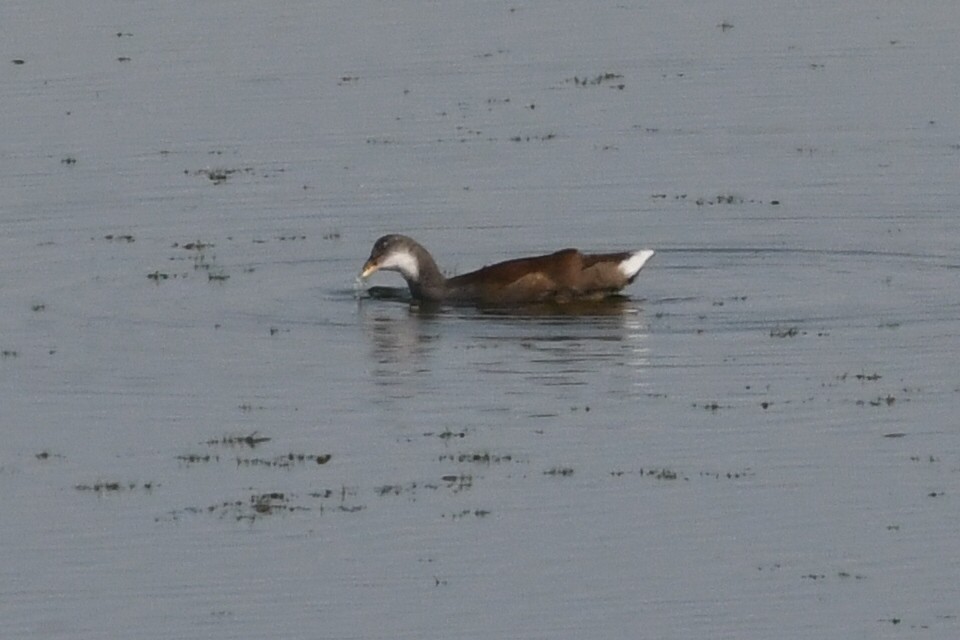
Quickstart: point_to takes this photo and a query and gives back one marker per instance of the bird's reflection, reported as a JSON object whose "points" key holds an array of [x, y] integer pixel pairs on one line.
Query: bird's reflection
{"points": [[550, 343], [401, 338], [616, 305], [611, 306]]}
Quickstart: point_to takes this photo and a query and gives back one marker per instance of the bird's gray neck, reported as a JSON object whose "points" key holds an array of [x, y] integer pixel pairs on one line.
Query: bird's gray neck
{"points": [[429, 284]]}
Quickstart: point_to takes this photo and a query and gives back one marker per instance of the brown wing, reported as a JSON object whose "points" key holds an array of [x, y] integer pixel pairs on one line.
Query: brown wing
{"points": [[520, 280], [564, 275]]}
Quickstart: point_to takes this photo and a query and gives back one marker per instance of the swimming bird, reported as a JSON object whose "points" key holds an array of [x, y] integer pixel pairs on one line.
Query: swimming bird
{"points": [[564, 276]]}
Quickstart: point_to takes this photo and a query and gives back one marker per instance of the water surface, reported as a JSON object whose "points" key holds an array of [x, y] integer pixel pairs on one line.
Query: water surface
{"points": [[207, 433]]}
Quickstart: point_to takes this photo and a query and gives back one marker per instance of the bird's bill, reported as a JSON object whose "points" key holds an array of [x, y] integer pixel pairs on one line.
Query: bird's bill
{"points": [[369, 268]]}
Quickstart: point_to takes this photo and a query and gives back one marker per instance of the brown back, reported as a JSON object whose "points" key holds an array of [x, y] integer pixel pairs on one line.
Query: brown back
{"points": [[563, 274]]}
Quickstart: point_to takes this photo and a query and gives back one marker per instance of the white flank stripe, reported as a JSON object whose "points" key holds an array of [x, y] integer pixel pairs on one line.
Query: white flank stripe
{"points": [[632, 265]]}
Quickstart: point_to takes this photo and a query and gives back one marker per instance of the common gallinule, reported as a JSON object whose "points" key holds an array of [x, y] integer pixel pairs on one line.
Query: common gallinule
{"points": [[563, 276]]}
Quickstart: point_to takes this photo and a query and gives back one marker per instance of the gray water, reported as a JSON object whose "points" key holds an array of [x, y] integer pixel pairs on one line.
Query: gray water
{"points": [[208, 432]]}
